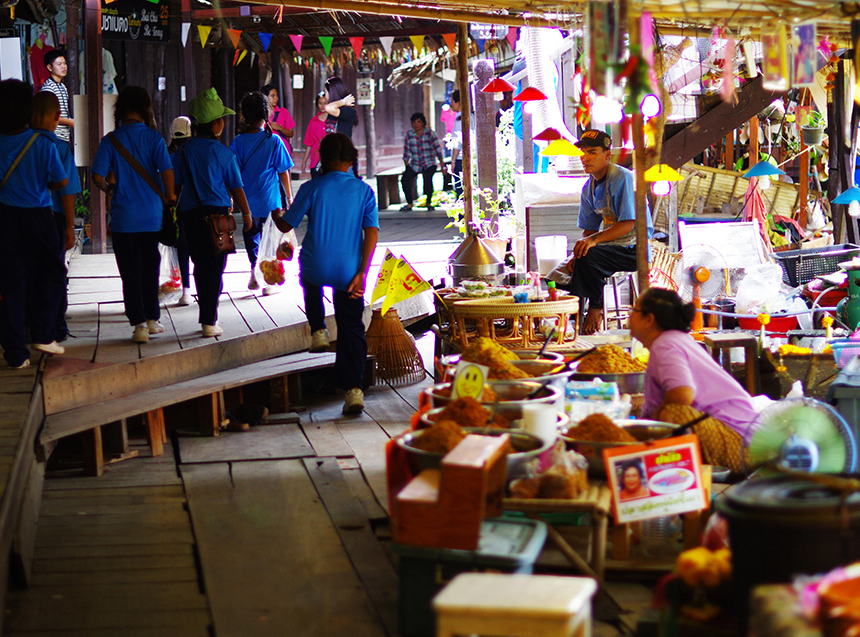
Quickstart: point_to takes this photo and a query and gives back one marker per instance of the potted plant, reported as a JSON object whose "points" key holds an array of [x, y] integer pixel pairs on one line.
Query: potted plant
{"points": [[82, 211], [813, 130]]}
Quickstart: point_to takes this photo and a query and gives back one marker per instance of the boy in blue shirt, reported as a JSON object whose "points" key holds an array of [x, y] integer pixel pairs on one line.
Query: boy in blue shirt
{"points": [[30, 259], [46, 115]]}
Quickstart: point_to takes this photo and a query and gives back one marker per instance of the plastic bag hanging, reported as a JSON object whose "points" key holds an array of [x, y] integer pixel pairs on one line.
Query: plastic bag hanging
{"points": [[276, 248], [169, 277]]}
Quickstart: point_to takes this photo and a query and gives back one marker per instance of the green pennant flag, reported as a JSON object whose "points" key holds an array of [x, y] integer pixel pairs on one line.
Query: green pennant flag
{"points": [[326, 41]]}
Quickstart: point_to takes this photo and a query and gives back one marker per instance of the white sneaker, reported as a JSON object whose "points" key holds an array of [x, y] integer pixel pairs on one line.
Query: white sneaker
{"points": [[320, 341], [23, 365], [211, 331], [186, 298], [354, 403], [141, 333], [269, 290], [50, 348], [155, 327], [252, 284]]}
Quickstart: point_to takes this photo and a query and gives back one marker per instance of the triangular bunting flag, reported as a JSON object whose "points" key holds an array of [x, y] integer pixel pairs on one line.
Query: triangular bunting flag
{"points": [[204, 34], [386, 41], [384, 276], [405, 283], [418, 43], [450, 40], [236, 57], [326, 41], [266, 40], [511, 37], [186, 27], [480, 44], [356, 45], [253, 57], [297, 42], [242, 55], [235, 34]]}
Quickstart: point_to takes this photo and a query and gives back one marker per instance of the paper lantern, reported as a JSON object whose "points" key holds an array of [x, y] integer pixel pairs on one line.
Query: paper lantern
{"points": [[530, 94], [547, 135], [498, 85]]}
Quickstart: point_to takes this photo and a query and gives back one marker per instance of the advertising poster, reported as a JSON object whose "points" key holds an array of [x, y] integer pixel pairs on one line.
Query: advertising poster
{"points": [[775, 61], [654, 479], [139, 20], [806, 56]]}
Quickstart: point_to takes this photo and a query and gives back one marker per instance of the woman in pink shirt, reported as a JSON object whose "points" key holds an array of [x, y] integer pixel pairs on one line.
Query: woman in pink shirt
{"points": [[683, 382], [280, 119], [314, 135]]}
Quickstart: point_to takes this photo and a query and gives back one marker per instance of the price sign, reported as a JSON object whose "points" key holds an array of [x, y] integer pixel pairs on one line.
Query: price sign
{"points": [[469, 380], [653, 479]]}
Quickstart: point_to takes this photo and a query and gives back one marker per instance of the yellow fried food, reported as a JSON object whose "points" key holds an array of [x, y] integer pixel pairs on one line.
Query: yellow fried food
{"points": [[486, 351], [610, 359]]}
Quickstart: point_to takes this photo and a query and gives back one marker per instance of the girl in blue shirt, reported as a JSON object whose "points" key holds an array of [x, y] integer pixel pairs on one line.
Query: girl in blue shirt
{"points": [[136, 209], [265, 167], [207, 176]]}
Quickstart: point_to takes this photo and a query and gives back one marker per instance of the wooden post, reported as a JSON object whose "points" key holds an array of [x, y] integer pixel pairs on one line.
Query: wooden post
{"points": [[188, 71], [485, 132], [93, 25], [641, 205], [228, 93], [370, 140], [94, 461], [465, 120]]}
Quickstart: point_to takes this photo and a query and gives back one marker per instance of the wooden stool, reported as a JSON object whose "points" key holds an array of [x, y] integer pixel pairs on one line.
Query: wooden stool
{"points": [[517, 605], [722, 344]]}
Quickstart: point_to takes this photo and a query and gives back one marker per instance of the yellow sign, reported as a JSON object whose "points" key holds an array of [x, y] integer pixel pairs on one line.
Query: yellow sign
{"points": [[384, 276], [404, 283], [469, 380]]}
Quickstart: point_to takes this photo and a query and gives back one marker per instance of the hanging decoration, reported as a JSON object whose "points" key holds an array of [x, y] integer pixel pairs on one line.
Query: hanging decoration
{"points": [[498, 85], [297, 42], [326, 41], [279, 15], [530, 94], [357, 43], [511, 37], [830, 70], [727, 86], [547, 135], [186, 27], [775, 60], [806, 55], [450, 40], [204, 34], [602, 45], [637, 74], [234, 34], [488, 31], [386, 41], [561, 147], [265, 40], [418, 43], [481, 44]]}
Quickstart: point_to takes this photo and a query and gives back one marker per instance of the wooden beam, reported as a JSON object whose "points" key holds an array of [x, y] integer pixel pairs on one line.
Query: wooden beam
{"points": [[465, 121], [716, 123], [95, 108]]}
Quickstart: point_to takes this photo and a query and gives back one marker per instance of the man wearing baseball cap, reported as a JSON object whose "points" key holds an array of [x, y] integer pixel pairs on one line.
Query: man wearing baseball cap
{"points": [[607, 200]]}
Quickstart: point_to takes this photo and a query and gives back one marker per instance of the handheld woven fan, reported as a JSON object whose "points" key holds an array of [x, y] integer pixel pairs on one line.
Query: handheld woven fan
{"points": [[701, 274], [806, 435]]}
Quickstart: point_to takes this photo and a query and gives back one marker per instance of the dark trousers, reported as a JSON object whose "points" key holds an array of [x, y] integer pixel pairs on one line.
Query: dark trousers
{"points": [[590, 272], [30, 268], [62, 327], [208, 266], [351, 342], [458, 177], [410, 183], [138, 260], [252, 238]]}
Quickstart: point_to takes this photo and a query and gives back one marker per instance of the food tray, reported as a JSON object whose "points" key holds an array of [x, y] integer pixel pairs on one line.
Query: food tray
{"points": [[801, 266], [844, 351]]}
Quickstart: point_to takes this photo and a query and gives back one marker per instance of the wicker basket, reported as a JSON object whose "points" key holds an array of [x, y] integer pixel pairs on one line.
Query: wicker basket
{"points": [[398, 360]]}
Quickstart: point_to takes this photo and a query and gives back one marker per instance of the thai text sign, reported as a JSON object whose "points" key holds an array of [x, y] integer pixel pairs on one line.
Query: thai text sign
{"points": [[140, 20]]}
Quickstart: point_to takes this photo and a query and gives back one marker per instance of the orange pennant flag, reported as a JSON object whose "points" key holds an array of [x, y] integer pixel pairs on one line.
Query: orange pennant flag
{"points": [[450, 40], [236, 57], [235, 34], [417, 42]]}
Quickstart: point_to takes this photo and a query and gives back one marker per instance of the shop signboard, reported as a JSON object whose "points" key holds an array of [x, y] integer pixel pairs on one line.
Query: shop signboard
{"points": [[139, 20], [658, 478]]}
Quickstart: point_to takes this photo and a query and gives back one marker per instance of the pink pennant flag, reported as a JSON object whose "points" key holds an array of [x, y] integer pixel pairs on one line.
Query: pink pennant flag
{"points": [[511, 37], [297, 42], [356, 45]]}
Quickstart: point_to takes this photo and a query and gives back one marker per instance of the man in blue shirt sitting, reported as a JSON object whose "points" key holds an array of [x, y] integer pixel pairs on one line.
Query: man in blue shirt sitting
{"points": [[607, 199]]}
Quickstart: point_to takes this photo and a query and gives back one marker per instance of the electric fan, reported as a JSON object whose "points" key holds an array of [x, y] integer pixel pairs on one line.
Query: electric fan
{"points": [[701, 274], [806, 435]]}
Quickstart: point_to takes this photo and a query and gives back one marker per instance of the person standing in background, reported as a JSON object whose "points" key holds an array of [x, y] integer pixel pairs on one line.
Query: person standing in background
{"points": [[455, 168], [55, 62], [280, 119], [180, 132], [421, 150], [313, 137], [340, 107]]}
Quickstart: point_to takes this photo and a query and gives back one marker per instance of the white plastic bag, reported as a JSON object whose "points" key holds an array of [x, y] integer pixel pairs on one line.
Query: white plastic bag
{"points": [[276, 248], [759, 291], [169, 277]]}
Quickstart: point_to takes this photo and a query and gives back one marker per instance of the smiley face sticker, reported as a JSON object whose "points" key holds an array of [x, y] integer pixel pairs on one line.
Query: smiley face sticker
{"points": [[469, 380]]}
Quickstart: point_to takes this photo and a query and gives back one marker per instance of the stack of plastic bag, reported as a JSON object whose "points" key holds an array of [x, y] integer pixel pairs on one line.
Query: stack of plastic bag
{"points": [[169, 277], [275, 249]]}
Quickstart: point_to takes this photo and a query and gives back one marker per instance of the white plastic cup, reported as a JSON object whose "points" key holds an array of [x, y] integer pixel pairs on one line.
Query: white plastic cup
{"points": [[550, 251], [541, 421]]}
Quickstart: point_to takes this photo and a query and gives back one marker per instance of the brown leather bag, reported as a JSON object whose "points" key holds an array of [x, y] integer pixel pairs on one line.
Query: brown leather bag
{"points": [[222, 228]]}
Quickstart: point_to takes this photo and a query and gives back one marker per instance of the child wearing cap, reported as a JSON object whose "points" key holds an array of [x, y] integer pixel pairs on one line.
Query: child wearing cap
{"points": [[265, 166], [206, 169], [136, 209], [180, 132], [30, 260]]}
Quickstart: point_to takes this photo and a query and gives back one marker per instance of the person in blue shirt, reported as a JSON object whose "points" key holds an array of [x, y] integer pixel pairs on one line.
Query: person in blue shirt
{"points": [[265, 167], [136, 209], [607, 199], [207, 175], [30, 263], [46, 115], [342, 231]]}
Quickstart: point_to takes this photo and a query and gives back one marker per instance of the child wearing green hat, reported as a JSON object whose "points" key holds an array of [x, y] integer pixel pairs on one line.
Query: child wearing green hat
{"points": [[207, 176]]}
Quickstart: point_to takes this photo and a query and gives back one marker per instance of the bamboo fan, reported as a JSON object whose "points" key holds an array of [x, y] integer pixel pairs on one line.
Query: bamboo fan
{"points": [[398, 360]]}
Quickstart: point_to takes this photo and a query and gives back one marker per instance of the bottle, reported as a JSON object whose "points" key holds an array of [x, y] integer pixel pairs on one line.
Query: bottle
{"points": [[535, 294], [553, 291], [660, 536]]}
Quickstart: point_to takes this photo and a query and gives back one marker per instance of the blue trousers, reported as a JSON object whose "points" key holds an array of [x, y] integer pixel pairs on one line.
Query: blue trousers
{"points": [[138, 260], [208, 266], [30, 267], [351, 342]]}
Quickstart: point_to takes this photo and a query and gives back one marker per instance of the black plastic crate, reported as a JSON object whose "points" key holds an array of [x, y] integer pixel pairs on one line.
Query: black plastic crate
{"points": [[801, 266]]}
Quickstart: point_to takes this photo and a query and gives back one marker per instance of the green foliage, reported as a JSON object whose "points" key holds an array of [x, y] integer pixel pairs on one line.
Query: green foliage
{"points": [[815, 120], [82, 206]]}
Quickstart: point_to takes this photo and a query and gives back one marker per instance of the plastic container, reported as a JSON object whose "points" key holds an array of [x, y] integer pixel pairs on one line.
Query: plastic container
{"points": [[778, 324], [660, 536], [507, 546], [801, 266], [550, 251]]}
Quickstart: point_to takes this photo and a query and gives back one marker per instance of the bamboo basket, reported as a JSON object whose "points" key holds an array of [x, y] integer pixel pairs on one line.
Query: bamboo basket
{"points": [[398, 360]]}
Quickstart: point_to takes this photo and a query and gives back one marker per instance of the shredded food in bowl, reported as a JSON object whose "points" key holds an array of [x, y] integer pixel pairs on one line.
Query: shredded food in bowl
{"points": [[610, 359]]}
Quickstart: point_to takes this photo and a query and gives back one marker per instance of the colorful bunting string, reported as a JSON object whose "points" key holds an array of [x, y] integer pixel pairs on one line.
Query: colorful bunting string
{"points": [[356, 45], [297, 42], [234, 34], [386, 42], [204, 34], [418, 43], [326, 41], [265, 40], [450, 40]]}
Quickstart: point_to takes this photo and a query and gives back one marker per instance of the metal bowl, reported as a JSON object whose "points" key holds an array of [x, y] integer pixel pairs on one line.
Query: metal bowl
{"points": [[642, 430], [539, 370], [629, 383], [528, 447], [430, 417], [511, 396]]}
